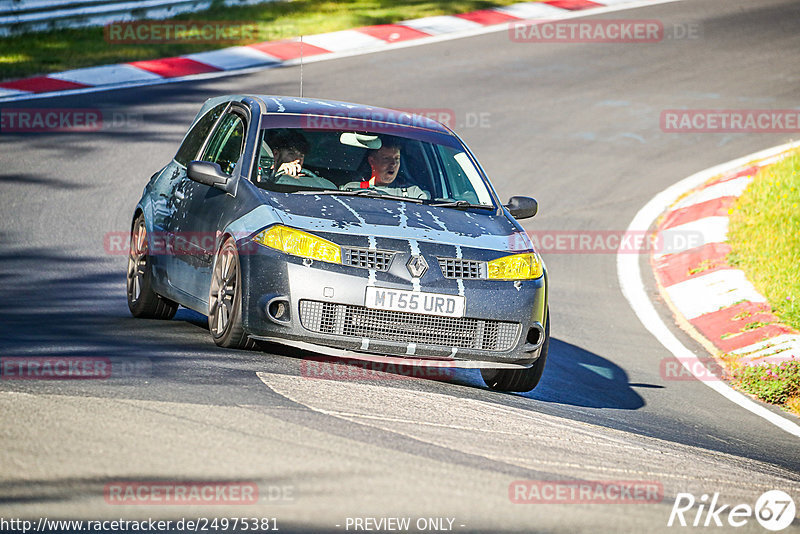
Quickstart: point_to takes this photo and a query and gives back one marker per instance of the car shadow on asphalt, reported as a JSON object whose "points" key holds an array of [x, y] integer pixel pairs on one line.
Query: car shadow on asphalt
{"points": [[578, 377]]}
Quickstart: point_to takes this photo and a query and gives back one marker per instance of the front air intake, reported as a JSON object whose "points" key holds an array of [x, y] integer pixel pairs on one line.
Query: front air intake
{"points": [[278, 310], [535, 336]]}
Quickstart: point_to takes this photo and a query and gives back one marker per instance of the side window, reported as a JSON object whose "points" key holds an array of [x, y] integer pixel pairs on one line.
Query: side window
{"points": [[194, 139], [227, 143]]}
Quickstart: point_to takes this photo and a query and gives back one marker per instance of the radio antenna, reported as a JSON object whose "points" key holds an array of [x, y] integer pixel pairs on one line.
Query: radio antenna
{"points": [[301, 66]]}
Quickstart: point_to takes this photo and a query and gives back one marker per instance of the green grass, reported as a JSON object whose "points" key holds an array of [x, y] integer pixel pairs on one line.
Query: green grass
{"points": [[42, 53], [764, 235], [776, 384]]}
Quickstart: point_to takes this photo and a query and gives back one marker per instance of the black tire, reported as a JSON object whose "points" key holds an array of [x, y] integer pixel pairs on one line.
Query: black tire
{"points": [[520, 380], [142, 300], [225, 300]]}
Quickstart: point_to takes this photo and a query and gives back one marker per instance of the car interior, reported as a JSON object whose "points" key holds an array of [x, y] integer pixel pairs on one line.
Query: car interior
{"points": [[341, 158], [343, 163]]}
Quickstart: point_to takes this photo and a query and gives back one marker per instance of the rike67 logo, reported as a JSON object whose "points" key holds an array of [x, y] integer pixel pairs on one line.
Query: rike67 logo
{"points": [[774, 510]]}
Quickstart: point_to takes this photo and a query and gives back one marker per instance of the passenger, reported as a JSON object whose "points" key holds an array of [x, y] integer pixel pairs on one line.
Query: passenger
{"points": [[384, 164]]}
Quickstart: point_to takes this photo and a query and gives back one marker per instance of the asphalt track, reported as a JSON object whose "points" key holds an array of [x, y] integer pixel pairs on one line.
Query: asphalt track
{"points": [[574, 125]]}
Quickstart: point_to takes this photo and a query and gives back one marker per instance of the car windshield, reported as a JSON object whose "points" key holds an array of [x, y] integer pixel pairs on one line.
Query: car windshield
{"points": [[295, 160]]}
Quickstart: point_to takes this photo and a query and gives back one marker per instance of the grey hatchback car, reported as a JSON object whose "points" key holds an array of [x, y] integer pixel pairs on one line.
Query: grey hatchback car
{"points": [[348, 230]]}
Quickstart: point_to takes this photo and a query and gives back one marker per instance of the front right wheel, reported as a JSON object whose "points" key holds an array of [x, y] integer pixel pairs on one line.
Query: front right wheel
{"points": [[520, 380]]}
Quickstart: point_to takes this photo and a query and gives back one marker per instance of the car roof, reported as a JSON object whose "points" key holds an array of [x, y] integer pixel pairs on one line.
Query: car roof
{"points": [[291, 105]]}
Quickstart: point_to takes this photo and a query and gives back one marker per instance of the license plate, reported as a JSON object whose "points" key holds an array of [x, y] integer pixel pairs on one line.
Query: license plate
{"points": [[402, 300]]}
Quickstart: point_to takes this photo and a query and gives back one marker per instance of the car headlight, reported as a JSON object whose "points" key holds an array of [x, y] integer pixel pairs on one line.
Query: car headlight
{"points": [[299, 243], [515, 267]]}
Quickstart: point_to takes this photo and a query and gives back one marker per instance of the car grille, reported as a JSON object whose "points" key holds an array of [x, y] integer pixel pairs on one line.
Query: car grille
{"points": [[465, 269], [380, 260], [360, 322]]}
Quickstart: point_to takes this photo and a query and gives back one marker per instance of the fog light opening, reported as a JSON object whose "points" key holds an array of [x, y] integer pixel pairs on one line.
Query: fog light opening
{"points": [[278, 310], [535, 335]]}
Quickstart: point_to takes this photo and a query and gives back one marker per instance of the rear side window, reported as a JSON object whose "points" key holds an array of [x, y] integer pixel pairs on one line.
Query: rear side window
{"points": [[227, 143], [194, 139]]}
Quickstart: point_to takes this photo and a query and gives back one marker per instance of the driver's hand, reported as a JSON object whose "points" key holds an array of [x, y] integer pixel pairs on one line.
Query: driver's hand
{"points": [[292, 168]]}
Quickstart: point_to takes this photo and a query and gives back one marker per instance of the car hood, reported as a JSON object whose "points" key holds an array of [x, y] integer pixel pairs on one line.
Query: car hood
{"points": [[400, 220]]}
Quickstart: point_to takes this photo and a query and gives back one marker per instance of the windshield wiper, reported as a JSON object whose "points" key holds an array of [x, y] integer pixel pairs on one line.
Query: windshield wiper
{"points": [[459, 204], [362, 193]]}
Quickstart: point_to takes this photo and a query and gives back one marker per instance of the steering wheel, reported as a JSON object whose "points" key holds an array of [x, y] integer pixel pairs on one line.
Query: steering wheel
{"points": [[305, 178], [304, 172]]}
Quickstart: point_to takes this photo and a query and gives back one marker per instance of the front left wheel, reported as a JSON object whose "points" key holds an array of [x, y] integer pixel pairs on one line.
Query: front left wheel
{"points": [[225, 300], [142, 300]]}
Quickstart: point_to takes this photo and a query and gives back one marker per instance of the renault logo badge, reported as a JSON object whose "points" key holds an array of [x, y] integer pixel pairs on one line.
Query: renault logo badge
{"points": [[417, 266]]}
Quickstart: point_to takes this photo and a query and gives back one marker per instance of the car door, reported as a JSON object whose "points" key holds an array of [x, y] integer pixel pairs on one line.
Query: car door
{"points": [[200, 207], [168, 192]]}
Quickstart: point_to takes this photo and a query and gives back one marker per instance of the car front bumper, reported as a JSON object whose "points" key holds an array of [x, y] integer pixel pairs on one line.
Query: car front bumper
{"points": [[324, 311]]}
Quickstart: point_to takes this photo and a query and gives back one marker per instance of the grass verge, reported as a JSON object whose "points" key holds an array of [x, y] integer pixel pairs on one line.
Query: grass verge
{"points": [[764, 235], [777, 384], [42, 53]]}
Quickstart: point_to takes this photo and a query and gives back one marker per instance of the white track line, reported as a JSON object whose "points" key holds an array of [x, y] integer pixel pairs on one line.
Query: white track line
{"points": [[632, 285]]}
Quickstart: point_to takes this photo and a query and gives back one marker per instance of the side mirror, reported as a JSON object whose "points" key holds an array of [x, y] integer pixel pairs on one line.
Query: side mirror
{"points": [[522, 207], [209, 174]]}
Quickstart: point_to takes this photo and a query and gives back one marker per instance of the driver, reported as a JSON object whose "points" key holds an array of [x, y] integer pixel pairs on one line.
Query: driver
{"points": [[289, 149], [384, 164]]}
